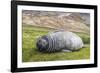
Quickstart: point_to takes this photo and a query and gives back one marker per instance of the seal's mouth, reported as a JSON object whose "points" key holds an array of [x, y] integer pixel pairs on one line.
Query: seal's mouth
{"points": [[42, 43]]}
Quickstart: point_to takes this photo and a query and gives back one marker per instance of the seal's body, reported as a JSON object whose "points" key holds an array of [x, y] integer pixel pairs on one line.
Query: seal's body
{"points": [[59, 41]]}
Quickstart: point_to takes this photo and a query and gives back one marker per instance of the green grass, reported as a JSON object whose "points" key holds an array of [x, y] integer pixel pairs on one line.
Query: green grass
{"points": [[31, 54], [85, 37]]}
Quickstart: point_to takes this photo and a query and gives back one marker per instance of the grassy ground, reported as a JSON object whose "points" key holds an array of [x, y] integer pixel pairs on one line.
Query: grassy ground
{"points": [[30, 53]]}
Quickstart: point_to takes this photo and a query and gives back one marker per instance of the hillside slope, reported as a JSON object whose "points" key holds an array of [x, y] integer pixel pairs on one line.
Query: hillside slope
{"points": [[74, 22]]}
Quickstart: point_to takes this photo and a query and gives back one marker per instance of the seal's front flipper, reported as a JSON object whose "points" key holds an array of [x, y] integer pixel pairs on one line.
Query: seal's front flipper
{"points": [[65, 50]]}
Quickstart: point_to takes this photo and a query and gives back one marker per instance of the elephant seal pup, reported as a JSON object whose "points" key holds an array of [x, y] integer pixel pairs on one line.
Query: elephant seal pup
{"points": [[59, 41]]}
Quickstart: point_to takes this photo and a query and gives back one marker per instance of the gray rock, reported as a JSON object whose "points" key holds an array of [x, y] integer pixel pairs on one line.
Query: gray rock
{"points": [[59, 41]]}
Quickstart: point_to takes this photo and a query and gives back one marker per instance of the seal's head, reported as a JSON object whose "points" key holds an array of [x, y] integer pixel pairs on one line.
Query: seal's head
{"points": [[42, 43]]}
